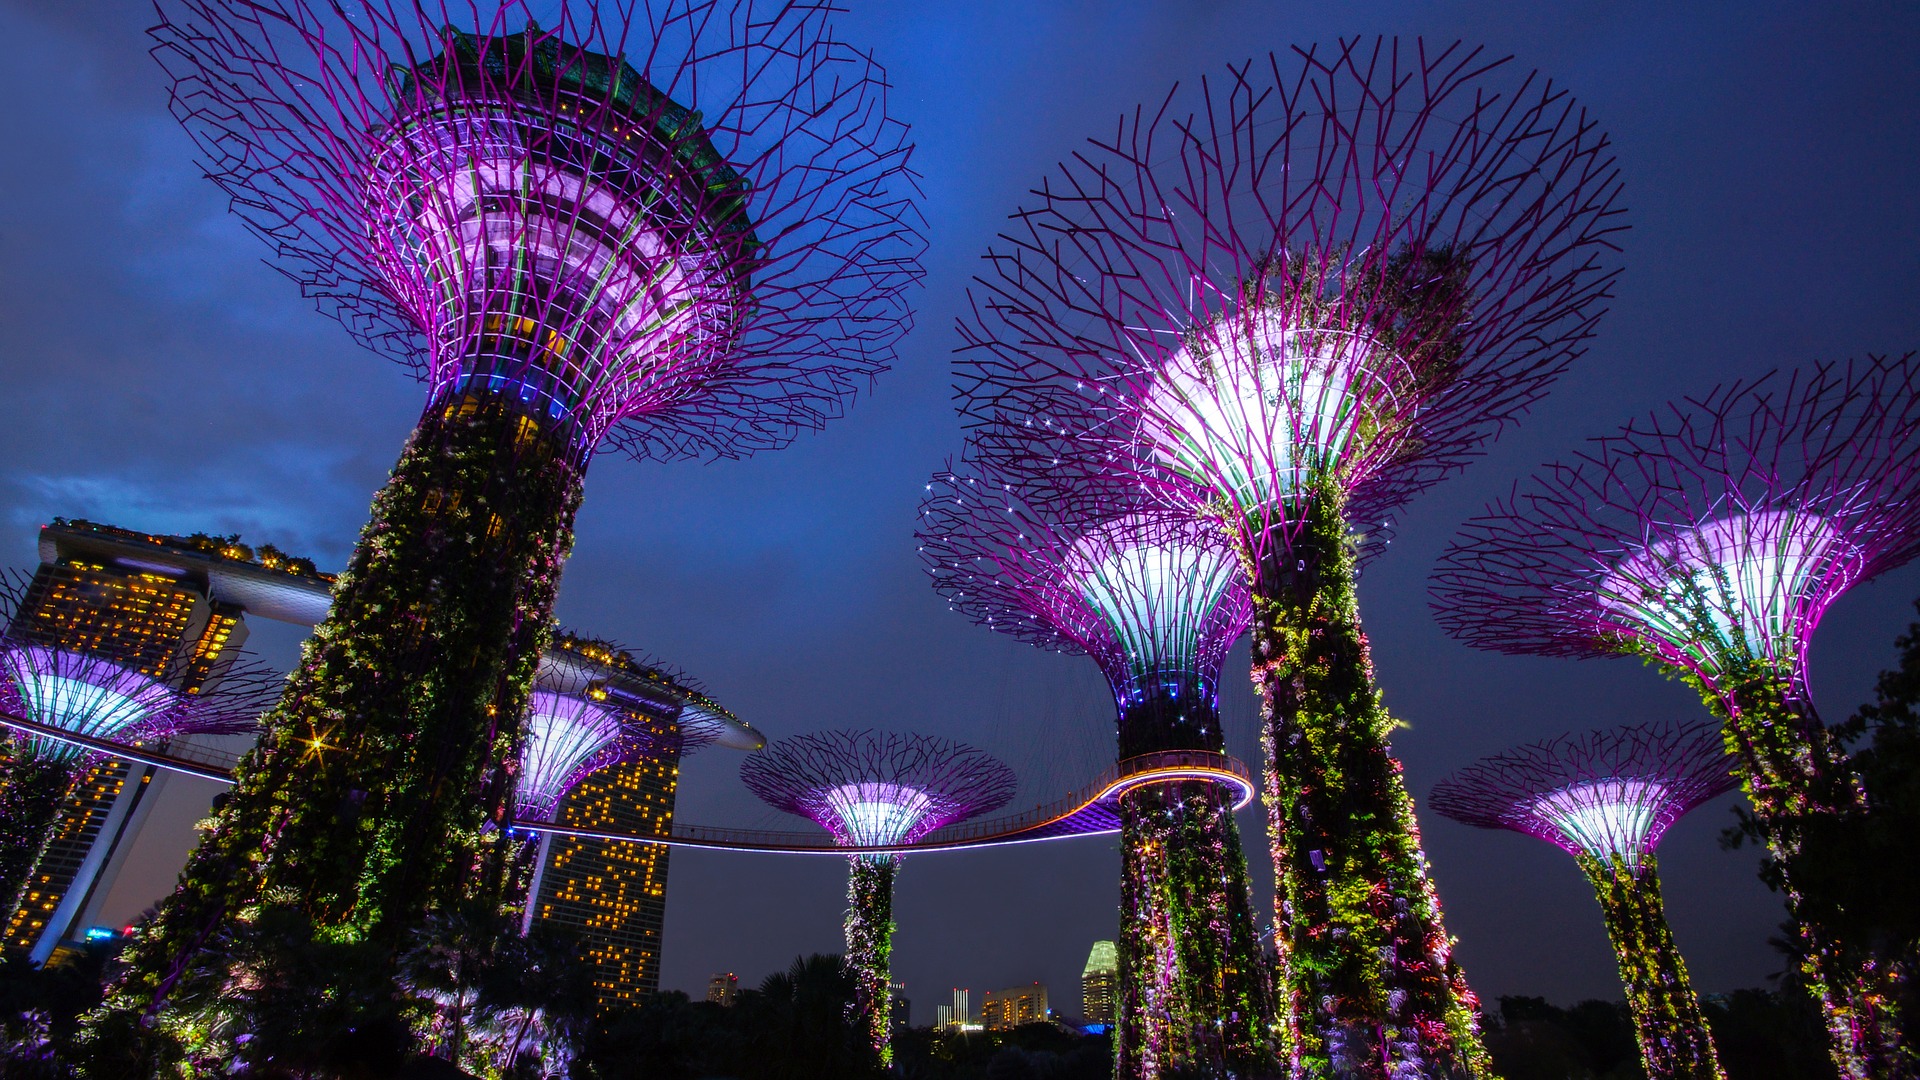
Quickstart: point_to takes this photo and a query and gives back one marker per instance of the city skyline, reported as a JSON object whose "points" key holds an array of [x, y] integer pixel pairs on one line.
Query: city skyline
{"points": [[829, 550]]}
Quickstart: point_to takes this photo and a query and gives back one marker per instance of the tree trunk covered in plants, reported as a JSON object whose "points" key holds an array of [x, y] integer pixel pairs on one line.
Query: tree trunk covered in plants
{"points": [[870, 947], [30, 792], [1674, 1041], [1794, 773], [1367, 982], [1193, 996], [375, 792]]}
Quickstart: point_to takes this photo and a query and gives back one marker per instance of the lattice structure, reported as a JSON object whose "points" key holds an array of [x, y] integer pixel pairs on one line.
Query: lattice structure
{"points": [[683, 229], [1156, 598], [1709, 537], [1606, 797], [686, 227], [1287, 300], [872, 788]]}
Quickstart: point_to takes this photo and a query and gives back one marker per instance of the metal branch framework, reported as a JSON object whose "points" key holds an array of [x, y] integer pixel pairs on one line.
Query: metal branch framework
{"points": [[859, 785], [1710, 537], [1606, 794], [1147, 594], [1156, 599], [1285, 301], [686, 228], [870, 788], [1606, 797], [1362, 261]]}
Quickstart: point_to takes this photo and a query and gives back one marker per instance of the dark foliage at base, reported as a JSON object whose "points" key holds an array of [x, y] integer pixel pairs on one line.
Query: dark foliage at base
{"points": [[1760, 1034]]}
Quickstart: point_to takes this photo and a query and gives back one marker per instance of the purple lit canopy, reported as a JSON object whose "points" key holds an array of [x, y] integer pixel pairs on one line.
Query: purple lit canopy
{"points": [[1710, 534], [875, 789], [1609, 794], [1356, 263], [683, 228], [1145, 593], [95, 697]]}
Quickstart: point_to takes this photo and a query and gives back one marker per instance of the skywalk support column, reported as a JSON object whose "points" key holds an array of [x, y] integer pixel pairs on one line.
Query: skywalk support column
{"points": [[1194, 993]]}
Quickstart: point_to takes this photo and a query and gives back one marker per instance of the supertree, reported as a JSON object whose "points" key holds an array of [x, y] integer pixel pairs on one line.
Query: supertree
{"points": [[1708, 538], [1606, 798], [97, 695], [679, 230], [876, 790], [1155, 599], [1286, 301]]}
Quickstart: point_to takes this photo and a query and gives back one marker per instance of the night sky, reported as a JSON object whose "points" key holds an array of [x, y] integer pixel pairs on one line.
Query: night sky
{"points": [[160, 377]]}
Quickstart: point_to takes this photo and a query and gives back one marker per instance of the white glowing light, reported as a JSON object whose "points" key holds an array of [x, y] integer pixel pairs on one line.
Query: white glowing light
{"points": [[1737, 587], [1260, 406], [563, 735], [1152, 589], [1612, 820], [875, 814], [81, 694]]}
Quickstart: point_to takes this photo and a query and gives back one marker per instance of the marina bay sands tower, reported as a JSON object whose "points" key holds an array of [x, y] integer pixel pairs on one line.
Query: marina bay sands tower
{"points": [[164, 604]]}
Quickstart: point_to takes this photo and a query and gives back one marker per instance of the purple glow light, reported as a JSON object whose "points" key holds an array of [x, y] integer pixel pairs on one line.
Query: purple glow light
{"points": [[876, 814], [1156, 585], [1612, 820], [1609, 794], [1733, 588], [567, 738], [1145, 592], [85, 695], [1254, 405], [866, 783]]}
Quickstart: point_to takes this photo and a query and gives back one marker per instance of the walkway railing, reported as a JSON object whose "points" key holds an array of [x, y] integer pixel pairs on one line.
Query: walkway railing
{"points": [[1090, 811]]}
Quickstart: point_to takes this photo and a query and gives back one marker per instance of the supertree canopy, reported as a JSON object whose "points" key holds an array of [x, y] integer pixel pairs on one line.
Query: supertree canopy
{"points": [[875, 789], [1156, 599], [93, 695], [1285, 301], [683, 229], [1709, 538], [1607, 797]]}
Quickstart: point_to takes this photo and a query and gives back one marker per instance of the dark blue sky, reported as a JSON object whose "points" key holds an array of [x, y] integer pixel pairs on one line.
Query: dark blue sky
{"points": [[161, 377]]}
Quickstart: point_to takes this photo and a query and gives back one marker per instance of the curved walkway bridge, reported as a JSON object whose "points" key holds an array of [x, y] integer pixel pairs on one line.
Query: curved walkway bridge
{"points": [[1091, 811]]}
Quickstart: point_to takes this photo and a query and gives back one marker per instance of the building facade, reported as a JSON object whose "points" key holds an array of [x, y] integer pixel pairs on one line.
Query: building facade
{"points": [[1010, 1008], [1098, 981], [149, 603], [722, 988]]}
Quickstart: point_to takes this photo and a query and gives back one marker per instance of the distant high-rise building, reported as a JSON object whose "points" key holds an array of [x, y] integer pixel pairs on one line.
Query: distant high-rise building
{"points": [[902, 1007], [1097, 982], [942, 1017], [962, 1009], [721, 988], [163, 605], [1012, 1007]]}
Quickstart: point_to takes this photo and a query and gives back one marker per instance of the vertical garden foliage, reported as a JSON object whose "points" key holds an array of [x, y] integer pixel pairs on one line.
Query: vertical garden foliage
{"points": [[870, 947], [1368, 983], [31, 787], [1793, 771], [1194, 996], [1674, 1042], [374, 793], [1197, 1001]]}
